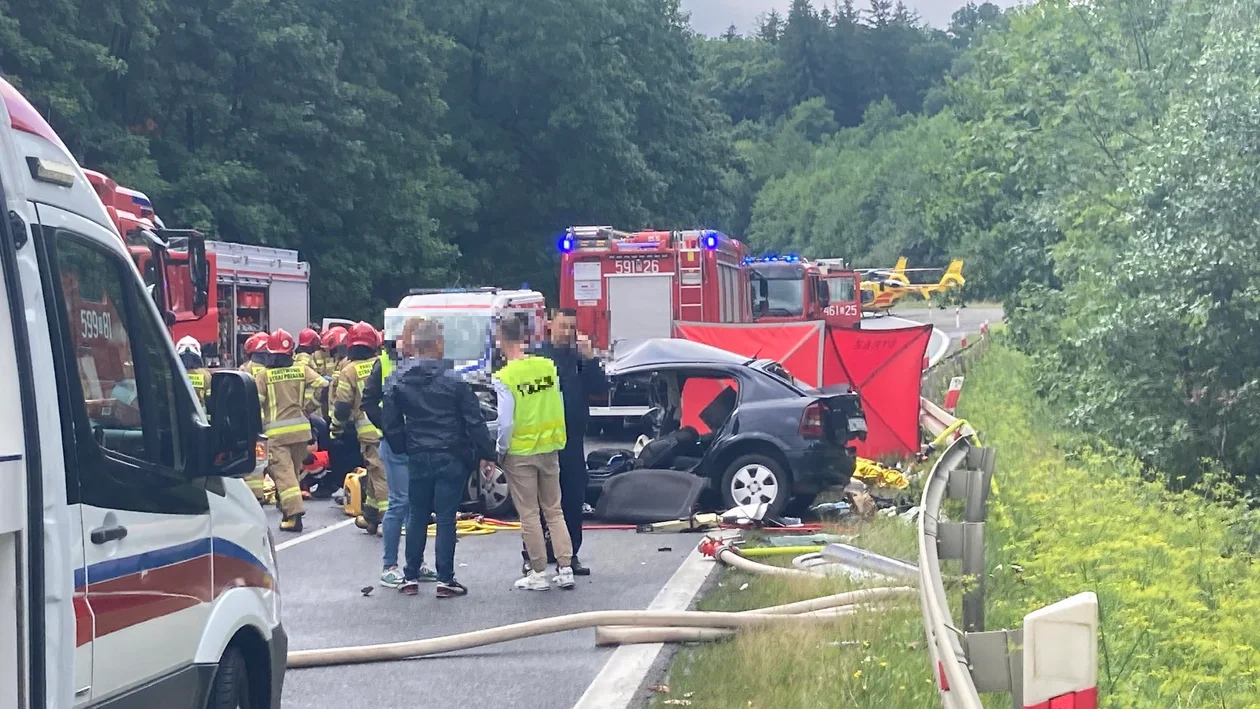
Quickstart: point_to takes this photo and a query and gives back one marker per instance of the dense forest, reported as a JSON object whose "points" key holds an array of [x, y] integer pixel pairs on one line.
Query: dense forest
{"points": [[1094, 161]]}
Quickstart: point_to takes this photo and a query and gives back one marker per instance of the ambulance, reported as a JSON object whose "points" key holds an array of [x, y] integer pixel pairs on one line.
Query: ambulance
{"points": [[136, 569]]}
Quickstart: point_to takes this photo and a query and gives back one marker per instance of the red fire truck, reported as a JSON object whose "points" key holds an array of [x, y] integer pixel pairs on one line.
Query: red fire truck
{"points": [[172, 261], [793, 289], [217, 292], [628, 287]]}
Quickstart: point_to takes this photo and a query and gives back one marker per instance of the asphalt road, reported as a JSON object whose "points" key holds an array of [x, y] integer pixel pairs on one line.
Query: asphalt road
{"points": [[323, 606], [952, 322]]}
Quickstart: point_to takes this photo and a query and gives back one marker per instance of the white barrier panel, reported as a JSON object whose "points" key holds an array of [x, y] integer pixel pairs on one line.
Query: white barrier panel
{"points": [[1061, 655]]}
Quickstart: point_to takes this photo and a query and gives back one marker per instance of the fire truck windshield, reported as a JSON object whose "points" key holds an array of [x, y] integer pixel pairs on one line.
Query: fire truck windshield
{"points": [[779, 297]]}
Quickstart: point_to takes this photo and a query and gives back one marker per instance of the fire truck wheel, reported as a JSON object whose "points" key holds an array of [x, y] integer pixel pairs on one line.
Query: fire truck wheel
{"points": [[756, 479], [231, 688]]}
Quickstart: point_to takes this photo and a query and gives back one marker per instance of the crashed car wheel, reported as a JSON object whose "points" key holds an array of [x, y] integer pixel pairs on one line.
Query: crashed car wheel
{"points": [[754, 480], [496, 501]]}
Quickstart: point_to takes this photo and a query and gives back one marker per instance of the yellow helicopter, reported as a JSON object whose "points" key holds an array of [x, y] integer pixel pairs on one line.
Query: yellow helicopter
{"points": [[888, 287]]}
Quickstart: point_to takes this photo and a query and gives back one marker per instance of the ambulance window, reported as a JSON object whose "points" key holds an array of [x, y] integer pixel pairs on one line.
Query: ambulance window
{"points": [[124, 370]]}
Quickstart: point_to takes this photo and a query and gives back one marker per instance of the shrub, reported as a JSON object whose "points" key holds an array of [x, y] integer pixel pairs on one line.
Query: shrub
{"points": [[1174, 572]]}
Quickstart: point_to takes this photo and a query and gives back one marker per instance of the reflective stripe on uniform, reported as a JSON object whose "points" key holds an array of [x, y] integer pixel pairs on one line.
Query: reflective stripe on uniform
{"points": [[381, 505], [256, 483], [290, 493], [294, 425]]}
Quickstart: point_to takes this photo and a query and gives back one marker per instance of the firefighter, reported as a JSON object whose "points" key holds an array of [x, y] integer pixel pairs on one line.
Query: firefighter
{"points": [[255, 353], [346, 402], [308, 347], [287, 393], [189, 351], [334, 344]]}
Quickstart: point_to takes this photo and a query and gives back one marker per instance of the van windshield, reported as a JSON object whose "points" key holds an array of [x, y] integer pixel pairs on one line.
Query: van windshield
{"points": [[467, 334]]}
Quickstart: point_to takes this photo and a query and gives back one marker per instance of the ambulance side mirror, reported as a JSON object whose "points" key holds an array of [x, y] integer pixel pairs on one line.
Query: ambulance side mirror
{"points": [[235, 423]]}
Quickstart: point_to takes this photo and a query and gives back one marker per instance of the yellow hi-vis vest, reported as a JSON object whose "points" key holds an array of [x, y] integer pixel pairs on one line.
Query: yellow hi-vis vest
{"points": [[387, 366], [538, 409]]}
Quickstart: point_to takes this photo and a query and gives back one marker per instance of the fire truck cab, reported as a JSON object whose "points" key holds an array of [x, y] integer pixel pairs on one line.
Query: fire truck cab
{"points": [[790, 289], [627, 287], [171, 261]]}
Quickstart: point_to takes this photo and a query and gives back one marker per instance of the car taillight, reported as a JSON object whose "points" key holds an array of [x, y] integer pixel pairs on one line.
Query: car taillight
{"points": [[812, 421]]}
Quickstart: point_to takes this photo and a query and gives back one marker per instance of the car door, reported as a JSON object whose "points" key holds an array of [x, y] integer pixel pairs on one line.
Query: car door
{"points": [[146, 579]]}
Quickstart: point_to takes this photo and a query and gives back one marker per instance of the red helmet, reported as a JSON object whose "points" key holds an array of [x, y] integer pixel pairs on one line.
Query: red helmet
{"points": [[256, 343], [308, 338], [362, 334], [333, 338], [380, 338], [280, 342]]}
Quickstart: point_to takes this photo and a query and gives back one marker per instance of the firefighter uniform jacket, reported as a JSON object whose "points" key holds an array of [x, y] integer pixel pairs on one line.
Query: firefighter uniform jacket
{"points": [[287, 394], [346, 401], [200, 380]]}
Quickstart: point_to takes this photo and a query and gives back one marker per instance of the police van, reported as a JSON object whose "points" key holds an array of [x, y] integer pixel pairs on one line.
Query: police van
{"points": [[136, 569]]}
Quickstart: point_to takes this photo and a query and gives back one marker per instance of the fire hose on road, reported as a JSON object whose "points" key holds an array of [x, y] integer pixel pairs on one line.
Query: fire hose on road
{"points": [[621, 625]]}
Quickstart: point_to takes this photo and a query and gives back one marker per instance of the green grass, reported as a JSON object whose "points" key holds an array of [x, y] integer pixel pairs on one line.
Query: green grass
{"points": [[875, 660]]}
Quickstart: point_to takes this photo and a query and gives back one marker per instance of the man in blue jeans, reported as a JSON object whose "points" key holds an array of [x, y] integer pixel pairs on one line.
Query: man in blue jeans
{"points": [[385, 374], [434, 415]]}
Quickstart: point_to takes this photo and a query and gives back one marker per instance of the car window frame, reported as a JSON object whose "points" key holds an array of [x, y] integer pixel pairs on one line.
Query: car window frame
{"points": [[126, 482]]}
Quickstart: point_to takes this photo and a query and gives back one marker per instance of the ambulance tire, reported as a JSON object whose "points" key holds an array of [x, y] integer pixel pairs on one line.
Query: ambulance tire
{"points": [[231, 689]]}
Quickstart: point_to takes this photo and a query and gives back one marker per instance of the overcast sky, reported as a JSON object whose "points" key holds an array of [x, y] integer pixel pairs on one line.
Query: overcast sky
{"points": [[712, 17]]}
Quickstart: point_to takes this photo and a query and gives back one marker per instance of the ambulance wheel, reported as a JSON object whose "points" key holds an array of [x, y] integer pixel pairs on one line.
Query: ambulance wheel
{"points": [[231, 689]]}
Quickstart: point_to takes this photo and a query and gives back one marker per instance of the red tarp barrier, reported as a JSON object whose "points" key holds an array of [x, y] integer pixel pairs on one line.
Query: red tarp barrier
{"points": [[884, 366], [797, 346], [697, 393]]}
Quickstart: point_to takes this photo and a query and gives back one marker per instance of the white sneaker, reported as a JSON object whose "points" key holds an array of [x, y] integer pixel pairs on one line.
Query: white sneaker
{"points": [[564, 577], [534, 581]]}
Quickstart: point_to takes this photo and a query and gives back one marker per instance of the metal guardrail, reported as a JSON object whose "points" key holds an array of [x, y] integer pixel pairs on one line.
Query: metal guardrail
{"points": [[1060, 640], [962, 471]]}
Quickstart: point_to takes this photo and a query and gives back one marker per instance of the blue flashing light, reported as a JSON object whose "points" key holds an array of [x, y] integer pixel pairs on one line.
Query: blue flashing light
{"points": [[710, 240], [566, 244]]}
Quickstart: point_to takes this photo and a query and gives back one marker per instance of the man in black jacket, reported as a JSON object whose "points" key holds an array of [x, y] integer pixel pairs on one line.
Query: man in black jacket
{"points": [[581, 377], [433, 415]]}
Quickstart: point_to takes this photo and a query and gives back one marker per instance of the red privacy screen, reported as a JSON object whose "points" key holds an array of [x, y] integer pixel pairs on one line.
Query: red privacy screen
{"points": [[884, 366]]}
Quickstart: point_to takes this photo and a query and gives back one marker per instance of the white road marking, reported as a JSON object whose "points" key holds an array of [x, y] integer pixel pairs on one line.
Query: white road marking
{"points": [[313, 535], [617, 683]]}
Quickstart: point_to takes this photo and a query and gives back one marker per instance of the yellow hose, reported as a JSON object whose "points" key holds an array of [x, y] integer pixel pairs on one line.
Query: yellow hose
{"points": [[774, 551]]}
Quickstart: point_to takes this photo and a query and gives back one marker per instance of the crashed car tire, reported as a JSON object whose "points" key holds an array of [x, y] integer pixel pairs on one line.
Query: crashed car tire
{"points": [[756, 479], [489, 497]]}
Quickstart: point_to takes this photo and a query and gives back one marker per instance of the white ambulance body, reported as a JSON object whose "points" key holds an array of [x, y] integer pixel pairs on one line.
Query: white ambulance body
{"points": [[136, 569]]}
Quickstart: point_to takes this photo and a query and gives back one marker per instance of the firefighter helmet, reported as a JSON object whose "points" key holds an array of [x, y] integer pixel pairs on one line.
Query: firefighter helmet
{"points": [[362, 334], [188, 345], [256, 343], [308, 338], [334, 337], [280, 342]]}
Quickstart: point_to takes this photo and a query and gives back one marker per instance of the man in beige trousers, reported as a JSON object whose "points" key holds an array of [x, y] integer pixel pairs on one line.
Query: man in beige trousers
{"points": [[531, 434]]}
